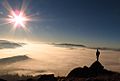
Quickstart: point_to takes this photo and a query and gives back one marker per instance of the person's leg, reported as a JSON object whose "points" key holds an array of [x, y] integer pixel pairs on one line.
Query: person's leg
{"points": [[97, 58]]}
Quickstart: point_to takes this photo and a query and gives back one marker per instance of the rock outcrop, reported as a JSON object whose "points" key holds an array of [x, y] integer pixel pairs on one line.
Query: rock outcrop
{"points": [[95, 69]]}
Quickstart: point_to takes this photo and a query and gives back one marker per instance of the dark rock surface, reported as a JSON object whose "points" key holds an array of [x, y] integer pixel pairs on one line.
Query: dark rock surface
{"points": [[95, 69]]}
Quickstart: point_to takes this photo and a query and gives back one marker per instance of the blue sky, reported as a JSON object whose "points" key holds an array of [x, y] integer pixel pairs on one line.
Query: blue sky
{"points": [[89, 22]]}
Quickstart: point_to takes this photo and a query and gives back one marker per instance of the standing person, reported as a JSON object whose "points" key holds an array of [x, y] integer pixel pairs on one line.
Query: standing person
{"points": [[97, 54]]}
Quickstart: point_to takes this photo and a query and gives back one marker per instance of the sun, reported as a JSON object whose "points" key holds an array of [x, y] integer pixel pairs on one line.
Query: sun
{"points": [[18, 18]]}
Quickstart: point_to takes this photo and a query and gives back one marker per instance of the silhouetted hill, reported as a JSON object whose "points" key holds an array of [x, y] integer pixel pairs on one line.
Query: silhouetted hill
{"points": [[96, 66], [14, 59], [96, 69]]}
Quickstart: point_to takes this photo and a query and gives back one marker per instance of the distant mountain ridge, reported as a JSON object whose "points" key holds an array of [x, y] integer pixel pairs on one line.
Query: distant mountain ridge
{"points": [[14, 59], [69, 45], [5, 44], [72, 45]]}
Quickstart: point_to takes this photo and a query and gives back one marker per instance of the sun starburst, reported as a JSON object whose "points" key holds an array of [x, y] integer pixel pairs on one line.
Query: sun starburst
{"points": [[18, 18]]}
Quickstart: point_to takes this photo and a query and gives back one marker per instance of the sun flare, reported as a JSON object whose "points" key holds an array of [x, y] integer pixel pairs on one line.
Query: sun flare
{"points": [[18, 19]]}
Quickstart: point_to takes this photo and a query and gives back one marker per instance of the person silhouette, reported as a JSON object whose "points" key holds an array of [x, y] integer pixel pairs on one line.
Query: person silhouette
{"points": [[97, 54]]}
